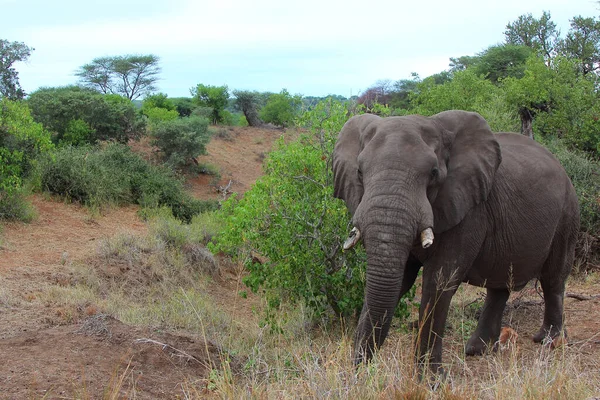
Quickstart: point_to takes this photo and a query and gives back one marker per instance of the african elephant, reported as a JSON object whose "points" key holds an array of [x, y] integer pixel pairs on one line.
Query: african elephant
{"points": [[445, 193]]}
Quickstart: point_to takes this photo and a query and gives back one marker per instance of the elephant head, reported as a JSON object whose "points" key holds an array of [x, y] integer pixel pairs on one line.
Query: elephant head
{"points": [[405, 179]]}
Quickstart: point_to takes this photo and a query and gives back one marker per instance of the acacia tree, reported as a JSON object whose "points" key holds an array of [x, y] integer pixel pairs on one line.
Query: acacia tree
{"points": [[11, 52], [130, 76]]}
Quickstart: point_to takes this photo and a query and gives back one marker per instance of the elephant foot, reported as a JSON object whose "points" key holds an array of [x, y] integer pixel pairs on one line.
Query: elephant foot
{"points": [[549, 334], [476, 346]]}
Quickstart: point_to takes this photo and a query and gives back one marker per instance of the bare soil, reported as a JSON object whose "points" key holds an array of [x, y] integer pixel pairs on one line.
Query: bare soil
{"points": [[47, 355]]}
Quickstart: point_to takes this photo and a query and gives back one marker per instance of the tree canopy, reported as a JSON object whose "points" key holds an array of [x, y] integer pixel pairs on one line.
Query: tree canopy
{"points": [[100, 117], [248, 102], [10, 53], [281, 108], [214, 97], [131, 76]]}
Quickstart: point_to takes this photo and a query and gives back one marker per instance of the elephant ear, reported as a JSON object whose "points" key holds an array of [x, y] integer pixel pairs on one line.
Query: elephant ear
{"points": [[353, 137], [472, 157]]}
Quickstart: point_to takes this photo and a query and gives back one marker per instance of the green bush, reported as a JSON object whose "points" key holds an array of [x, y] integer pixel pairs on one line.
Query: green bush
{"points": [[202, 112], [281, 109], [213, 97], [158, 107], [158, 100], [21, 141], [157, 114], [14, 207], [109, 117], [181, 140], [228, 118], [77, 132], [584, 173], [114, 175], [184, 105], [288, 228]]}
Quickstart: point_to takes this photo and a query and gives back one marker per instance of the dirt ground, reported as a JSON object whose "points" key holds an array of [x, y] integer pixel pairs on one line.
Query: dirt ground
{"points": [[42, 355], [45, 355]]}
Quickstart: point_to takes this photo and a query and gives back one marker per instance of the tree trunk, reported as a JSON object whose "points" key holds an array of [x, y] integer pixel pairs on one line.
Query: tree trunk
{"points": [[252, 117], [526, 122]]}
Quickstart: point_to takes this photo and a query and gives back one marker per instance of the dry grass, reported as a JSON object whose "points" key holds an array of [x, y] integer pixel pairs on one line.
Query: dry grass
{"points": [[322, 369], [305, 360]]}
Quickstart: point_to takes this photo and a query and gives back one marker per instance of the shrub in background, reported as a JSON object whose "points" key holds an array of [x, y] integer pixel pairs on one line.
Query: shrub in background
{"points": [[77, 132], [281, 108], [183, 105], [21, 141], [109, 117], [213, 97], [157, 114], [114, 175], [158, 107], [158, 100], [181, 140], [202, 112]]}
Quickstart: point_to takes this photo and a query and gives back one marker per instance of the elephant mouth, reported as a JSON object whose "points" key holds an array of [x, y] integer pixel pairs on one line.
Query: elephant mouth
{"points": [[354, 237]]}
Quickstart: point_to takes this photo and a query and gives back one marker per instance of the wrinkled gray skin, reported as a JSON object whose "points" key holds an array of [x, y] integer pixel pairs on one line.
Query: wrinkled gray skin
{"points": [[502, 209]]}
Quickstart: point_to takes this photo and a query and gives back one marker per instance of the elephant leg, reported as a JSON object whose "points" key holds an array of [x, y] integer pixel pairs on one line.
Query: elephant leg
{"points": [[553, 280], [490, 321], [443, 272], [432, 323], [553, 312]]}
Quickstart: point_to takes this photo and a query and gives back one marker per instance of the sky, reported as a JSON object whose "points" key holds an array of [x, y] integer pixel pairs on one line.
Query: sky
{"points": [[309, 47]]}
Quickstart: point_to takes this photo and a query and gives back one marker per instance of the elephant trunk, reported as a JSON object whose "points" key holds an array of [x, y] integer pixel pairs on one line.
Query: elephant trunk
{"points": [[388, 248], [390, 218]]}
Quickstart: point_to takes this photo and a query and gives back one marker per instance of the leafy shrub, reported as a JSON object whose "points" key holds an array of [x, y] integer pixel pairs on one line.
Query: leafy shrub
{"points": [[109, 117], [158, 107], [288, 228], [213, 97], [157, 114], [14, 207], [184, 105], [242, 121], [181, 140], [114, 175], [77, 132], [21, 141], [584, 173], [158, 100], [227, 118], [465, 91], [281, 108]]}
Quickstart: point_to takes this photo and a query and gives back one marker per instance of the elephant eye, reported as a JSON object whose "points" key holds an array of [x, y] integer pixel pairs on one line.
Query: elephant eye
{"points": [[359, 173], [434, 172]]}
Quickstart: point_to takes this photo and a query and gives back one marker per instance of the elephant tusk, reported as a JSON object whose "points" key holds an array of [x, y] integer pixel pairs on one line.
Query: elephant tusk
{"points": [[352, 238], [427, 238]]}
